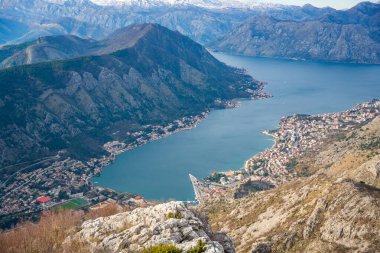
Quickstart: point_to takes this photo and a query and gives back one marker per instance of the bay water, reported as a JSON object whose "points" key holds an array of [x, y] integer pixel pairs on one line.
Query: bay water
{"points": [[227, 138]]}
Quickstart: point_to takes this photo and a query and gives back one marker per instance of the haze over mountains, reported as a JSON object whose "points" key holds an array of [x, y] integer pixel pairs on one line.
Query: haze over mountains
{"points": [[234, 27], [343, 36]]}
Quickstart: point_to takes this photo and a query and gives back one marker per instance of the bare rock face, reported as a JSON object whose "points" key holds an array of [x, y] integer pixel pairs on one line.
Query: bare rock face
{"points": [[317, 214], [144, 227]]}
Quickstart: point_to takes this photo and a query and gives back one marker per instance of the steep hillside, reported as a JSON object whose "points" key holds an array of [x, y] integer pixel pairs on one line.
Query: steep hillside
{"points": [[344, 36], [335, 210], [79, 104], [317, 214], [354, 155]]}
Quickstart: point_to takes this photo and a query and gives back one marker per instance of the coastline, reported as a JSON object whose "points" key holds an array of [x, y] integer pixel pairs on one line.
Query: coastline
{"points": [[194, 122], [295, 136], [72, 177]]}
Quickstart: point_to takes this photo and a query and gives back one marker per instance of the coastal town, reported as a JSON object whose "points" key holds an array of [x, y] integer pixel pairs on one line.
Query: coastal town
{"points": [[64, 179], [299, 133], [54, 181], [295, 135]]}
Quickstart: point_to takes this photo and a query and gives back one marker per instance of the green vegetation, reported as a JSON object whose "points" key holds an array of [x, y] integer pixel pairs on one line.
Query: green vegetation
{"points": [[168, 248], [258, 164], [73, 204], [291, 165], [215, 177], [162, 248], [373, 143], [174, 215], [199, 248]]}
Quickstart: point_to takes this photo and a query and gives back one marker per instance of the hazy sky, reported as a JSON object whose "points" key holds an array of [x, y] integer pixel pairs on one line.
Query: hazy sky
{"points": [[340, 4]]}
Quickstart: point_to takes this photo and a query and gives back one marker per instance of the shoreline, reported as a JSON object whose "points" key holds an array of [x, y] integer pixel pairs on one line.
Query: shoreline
{"points": [[196, 120], [67, 177]]}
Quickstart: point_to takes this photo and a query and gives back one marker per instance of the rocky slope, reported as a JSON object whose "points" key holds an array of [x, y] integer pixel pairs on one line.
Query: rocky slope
{"points": [[335, 210], [170, 223], [318, 214], [145, 75], [343, 36], [354, 155]]}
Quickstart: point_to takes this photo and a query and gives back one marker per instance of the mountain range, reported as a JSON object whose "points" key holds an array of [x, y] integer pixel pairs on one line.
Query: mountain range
{"points": [[214, 4], [96, 91], [238, 27], [351, 36], [201, 23]]}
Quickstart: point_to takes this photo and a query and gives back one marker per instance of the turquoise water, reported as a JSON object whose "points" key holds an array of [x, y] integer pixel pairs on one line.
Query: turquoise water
{"points": [[159, 170]]}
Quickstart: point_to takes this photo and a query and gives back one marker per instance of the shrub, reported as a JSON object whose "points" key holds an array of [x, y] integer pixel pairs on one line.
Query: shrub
{"points": [[200, 248], [174, 215], [44, 237], [48, 234], [162, 248]]}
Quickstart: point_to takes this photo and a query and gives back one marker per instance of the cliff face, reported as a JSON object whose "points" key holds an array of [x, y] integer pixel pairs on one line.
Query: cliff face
{"points": [[350, 36], [171, 223]]}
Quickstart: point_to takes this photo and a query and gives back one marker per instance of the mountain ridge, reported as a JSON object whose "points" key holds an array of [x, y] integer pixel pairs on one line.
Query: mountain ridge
{"points": [[200, 23], [59, 104], [342, 36]]}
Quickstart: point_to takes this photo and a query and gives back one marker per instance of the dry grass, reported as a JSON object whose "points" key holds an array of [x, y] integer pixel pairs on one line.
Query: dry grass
{"points": [[44, 237], [105, 211], [48, 235]]}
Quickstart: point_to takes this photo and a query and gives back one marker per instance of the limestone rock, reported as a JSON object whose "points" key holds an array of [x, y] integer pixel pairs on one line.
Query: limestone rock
{"points": [[144, 227], [315, 214]]}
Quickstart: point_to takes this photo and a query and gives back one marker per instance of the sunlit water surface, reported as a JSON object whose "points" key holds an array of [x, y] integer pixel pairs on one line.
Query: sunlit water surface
{"points": [[159, 170]]}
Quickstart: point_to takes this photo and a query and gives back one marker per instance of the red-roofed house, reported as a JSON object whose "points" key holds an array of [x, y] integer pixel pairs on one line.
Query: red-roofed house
{"points": [[43, 200]]}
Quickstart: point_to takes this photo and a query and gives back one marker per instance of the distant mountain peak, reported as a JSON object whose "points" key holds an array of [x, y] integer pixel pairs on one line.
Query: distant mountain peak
{"points": [[212, 4]]}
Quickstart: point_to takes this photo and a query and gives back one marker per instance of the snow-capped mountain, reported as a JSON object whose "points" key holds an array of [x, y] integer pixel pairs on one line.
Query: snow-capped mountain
{"points": [[211, 4], [201, 20]]}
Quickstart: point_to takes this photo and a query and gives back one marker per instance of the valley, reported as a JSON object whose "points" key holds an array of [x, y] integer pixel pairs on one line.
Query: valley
{"points": [[87, 104], [189, 126], [227, 138]]}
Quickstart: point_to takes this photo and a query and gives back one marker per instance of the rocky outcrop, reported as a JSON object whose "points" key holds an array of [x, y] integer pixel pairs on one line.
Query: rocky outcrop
{"points": [[318, 214], [145, 227]]}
